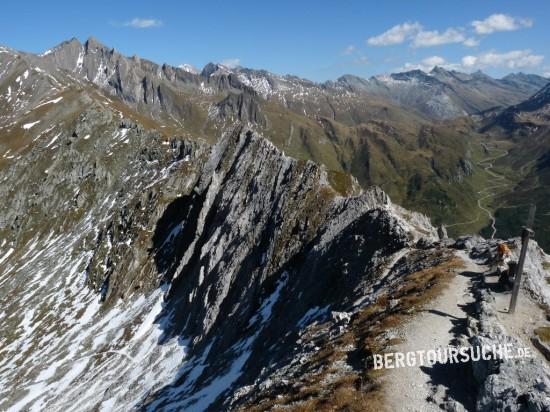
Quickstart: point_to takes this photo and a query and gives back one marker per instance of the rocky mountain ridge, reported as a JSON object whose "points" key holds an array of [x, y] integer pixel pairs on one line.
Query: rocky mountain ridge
{"points": [[139, 217], [443, 94], [347, 125], [439, 94], [364, 135], [160, 248]]}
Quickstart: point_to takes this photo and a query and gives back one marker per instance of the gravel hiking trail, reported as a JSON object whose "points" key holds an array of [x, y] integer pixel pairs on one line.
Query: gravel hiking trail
{"points": [[440, 324]]}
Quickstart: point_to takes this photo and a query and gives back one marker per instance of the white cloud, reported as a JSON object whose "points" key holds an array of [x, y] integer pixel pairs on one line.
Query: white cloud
{"points": [[471, 42], [500, 22], [231, 63], [396, 35], [425, 65], [414, 33], [138, 23], [357, 57], [360, 60], [435, 38], [418, 37], [515, 59], [434, 61], [469, 61], [349, 50]]}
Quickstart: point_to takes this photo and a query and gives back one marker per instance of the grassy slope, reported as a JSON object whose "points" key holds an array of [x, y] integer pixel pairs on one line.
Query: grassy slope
{"points": [[531, 184], [416, 162]]}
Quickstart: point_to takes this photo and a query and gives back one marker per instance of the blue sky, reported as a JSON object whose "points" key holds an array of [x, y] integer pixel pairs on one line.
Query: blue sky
{"points": [[319, 39]]}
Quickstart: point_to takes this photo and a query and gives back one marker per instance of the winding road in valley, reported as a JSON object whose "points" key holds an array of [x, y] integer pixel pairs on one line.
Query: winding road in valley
{"points": [[488, 192]]}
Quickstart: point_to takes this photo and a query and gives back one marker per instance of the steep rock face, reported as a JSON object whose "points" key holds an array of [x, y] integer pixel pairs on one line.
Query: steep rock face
{"points": [[241, 106], [526, 82], [528, 115], [186, 276], [88, 198], [271, 242], [154, 89], [516, 384], [346, 131], [291, 112], [22, 85], [174, 266], [417, 89]]}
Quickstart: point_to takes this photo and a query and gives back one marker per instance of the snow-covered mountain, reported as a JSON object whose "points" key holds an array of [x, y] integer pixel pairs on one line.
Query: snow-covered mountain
{"points": [[443, 94], [189, 68], [440, 94]]}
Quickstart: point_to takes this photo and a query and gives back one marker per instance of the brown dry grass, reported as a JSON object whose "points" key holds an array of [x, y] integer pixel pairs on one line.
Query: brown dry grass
{"points": [[543, 333]]}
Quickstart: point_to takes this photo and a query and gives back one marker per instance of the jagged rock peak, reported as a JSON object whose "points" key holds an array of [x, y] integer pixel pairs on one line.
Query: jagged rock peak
{"points": [[439, 70], [71, 42], [189, 68], [93, 44], [414, 74], [214, 68], [352, 81]]}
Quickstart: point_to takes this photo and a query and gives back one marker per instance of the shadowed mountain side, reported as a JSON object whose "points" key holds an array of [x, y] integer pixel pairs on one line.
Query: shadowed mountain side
{"points": [[259, 270]]}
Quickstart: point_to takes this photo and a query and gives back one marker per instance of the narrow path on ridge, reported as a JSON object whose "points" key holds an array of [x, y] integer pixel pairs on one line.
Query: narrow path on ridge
{"points": [[426, 388]]}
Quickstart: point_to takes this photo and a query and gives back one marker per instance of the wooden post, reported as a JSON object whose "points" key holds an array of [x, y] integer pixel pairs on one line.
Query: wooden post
{"points": [[531, 218], [525, 236]]}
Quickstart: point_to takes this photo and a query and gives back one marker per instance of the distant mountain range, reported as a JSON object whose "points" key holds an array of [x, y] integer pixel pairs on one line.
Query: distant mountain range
{"points": [[443, 94], [439, 94], [412, 133]]}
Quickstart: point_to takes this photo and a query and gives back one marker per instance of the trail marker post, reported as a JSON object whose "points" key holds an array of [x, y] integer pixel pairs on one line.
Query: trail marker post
{"points": [[531, 217], [526, 234]]}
